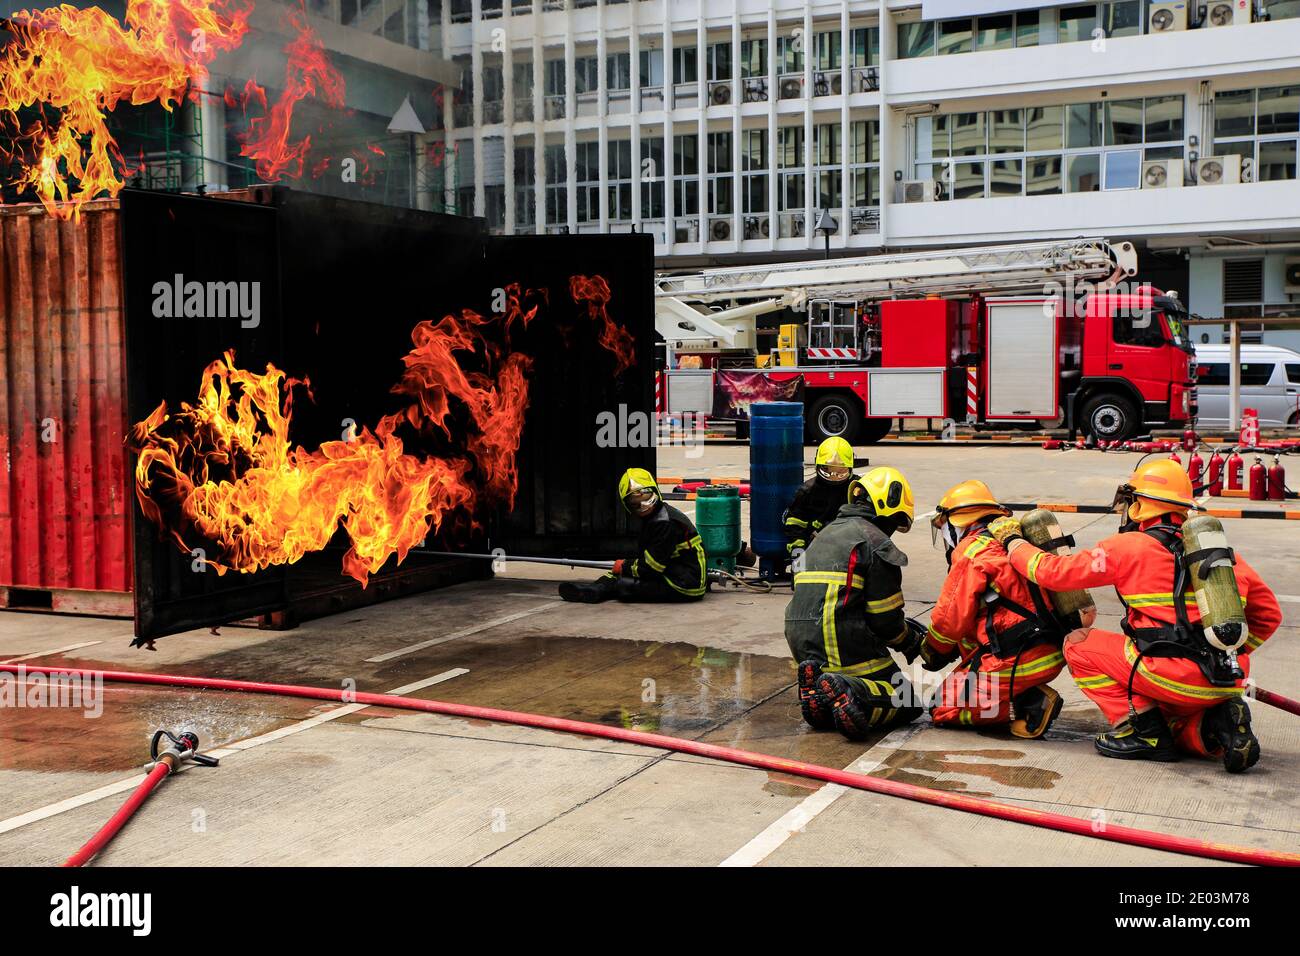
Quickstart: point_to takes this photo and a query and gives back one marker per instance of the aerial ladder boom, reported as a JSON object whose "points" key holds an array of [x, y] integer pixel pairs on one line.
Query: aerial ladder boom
{"points": [[729, 299]]}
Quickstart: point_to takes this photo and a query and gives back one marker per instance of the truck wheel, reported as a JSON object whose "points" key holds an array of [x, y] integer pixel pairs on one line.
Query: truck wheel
{"points": [[834, 416], [1110, 418], [874, 429]]}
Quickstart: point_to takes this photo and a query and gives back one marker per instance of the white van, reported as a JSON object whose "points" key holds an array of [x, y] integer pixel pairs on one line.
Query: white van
{"points": [[1270, 383]]}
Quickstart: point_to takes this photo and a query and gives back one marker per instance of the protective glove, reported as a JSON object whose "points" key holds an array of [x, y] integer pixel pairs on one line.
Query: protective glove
{"points": [[619, 567], [1005, 530], [910, 642], [933, 660]]}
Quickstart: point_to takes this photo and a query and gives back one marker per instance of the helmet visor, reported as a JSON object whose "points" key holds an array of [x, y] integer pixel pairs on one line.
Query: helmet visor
{"points": [[1124, 498], [836, 474], [641, 500]]}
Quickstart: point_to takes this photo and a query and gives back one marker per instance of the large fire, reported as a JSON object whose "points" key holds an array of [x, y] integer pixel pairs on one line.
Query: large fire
{"points": [[63, 70], [222, 473]]}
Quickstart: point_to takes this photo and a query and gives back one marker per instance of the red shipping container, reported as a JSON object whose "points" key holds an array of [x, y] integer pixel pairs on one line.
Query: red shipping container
{"points": [[65, 541]]}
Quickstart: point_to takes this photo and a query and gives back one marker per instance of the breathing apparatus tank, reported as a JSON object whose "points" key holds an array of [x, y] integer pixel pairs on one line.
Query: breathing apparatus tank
{"points": [[1042, 530], [1214, 582]]}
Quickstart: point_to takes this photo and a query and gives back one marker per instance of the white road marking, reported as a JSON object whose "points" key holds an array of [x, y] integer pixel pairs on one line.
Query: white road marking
{"points": [[122, 786], [52, 650], [766, 843], [463, 632], [1288, 598]]}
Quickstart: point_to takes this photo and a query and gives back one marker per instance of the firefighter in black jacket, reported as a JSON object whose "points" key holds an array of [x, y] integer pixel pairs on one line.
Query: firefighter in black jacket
{"points": [[669, 563], [847, 613], [818, 499]]}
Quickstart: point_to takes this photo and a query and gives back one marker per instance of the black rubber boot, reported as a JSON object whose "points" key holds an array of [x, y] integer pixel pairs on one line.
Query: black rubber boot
{"points": [[1036, 709], [602, 589], [856, 718], [816, 707], [1226, 726], [1144, 736]]}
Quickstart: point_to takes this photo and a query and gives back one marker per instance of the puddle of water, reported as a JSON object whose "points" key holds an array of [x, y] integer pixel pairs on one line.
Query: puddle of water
{"points": [[930, 768]]}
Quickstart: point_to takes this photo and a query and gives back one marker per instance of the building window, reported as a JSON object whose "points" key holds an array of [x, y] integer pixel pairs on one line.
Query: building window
{"points": [[686, 170], [826, 50], [586, 75], [587, 180], [557, 192], [525, 183], [684, 64], [618, 71], [652, 177], [619, 175], [753, 158], [719, 61], [1044, 150], [789, 55], [866, 46], [1001, 32], [720, 173], [753, 58], [865, 159], [790, 168], [1262, 126]]}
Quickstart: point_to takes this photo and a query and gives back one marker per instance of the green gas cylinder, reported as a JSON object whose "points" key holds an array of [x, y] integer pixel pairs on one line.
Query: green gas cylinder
{"points": [[717, 518]]}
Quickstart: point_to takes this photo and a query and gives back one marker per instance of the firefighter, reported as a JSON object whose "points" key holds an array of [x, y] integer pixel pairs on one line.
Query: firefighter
{"points": [[847, 612], [1161, 684], [669, 563], [819, 498], [1002, 629]]}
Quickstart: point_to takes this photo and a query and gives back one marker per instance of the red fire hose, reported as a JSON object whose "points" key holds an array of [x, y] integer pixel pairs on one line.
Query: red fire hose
{"points": [[109, 830], [1277, 700], [893, 788]]}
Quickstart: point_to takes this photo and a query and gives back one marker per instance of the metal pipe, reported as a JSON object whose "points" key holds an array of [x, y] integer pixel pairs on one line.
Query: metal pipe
{"points": [[570, 562]]}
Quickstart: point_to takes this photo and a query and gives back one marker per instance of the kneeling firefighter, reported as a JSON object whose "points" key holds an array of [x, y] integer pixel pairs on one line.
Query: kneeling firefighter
{"points": [[1005, 631], [818, 500], [847, 612], [669, 564], [1194, 612]]}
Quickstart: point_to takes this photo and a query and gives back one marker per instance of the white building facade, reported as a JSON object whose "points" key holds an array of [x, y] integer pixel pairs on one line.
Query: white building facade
{"points": [[727, 127]]}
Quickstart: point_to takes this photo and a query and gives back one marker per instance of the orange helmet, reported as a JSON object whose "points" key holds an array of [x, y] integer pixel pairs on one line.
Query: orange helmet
{"points": [[1155, 488], [964, 504]]}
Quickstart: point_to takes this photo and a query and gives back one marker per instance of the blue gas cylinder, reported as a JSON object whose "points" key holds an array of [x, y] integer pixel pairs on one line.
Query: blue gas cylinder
{"points": [[775, 473]]}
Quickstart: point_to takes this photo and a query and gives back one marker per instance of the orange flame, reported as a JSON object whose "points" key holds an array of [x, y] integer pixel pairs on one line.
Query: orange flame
{"points": [[83, 63], [307, 72], [594, 291], [223, 470]]}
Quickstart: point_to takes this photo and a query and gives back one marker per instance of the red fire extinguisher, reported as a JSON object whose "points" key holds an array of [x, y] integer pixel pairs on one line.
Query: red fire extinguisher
{"points": [[1215, 483], [1174, 456], [1277, 481], [1189, 440], [1258, 481], [1195, 465], [1234, 471]]}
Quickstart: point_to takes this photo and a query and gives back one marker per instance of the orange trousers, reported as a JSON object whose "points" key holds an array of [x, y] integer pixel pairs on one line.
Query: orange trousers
{"points": [[987, 699], [1101, 664]]}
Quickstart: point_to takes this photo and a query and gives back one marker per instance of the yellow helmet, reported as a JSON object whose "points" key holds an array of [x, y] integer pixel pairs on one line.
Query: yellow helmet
{"points": [[1155, 488], [889, 494], [965, 503], [638, 491], [834, 459]]}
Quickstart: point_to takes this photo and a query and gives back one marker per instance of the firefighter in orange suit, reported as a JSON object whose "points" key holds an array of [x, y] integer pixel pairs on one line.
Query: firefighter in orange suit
{"points": [[1003, 630], [1161, 685]]}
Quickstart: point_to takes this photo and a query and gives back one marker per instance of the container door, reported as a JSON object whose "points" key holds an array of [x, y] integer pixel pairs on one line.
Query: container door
{"points": [[169, 240], [591, 414], [1021, 349], [905, 393]]}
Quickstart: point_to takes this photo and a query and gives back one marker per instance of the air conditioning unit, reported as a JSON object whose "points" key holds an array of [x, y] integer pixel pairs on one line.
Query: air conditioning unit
{"points": [[791, 88], [1162, 173], [757, 227], [1228, 13], [1291, 276], [1167, 17], [720, 95], [918, 190], [796, 226], [688, 231], [756, 90], [720, 230], [828, 83], [868, 81], [1218, 170]]}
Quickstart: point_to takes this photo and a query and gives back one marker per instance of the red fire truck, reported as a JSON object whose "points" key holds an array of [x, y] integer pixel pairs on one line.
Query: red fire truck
{"points": [[1034, 335]]}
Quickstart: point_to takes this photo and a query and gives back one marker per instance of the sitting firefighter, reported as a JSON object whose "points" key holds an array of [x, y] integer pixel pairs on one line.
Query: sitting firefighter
{"points": [[669, 563], [1173, 680], [1003, 629], [847, 612], [818, 499]]}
